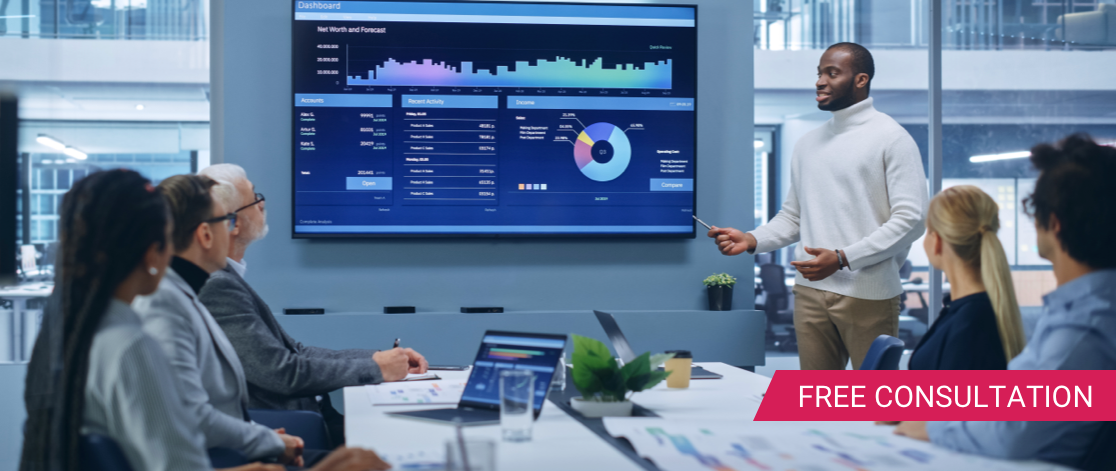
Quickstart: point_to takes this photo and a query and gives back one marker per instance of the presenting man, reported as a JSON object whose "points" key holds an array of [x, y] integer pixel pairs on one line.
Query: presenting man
{"points": [[283, 373], [857, 200]]}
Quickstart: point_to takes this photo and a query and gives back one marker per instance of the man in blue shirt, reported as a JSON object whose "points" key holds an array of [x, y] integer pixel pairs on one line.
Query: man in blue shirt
{"points": [[1076, 223]]}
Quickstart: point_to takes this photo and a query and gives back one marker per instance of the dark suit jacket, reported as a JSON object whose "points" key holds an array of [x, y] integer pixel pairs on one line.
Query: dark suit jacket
{"points": [[281, 372], [964, 337]]}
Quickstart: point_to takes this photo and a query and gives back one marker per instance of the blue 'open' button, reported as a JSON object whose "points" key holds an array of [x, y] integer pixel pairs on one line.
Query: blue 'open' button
{"points": [[368, 183]]}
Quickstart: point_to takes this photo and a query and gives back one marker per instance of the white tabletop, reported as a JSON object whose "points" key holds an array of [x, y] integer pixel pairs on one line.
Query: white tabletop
{"points": [[737, 396], [27, 290], [560, 442]]}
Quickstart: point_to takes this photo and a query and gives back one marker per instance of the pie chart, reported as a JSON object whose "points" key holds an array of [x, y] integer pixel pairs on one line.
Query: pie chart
{"points": [[602, 152]]}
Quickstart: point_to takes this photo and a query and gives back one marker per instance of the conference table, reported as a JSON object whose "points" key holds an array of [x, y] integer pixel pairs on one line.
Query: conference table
{"points": [[562, 442]]}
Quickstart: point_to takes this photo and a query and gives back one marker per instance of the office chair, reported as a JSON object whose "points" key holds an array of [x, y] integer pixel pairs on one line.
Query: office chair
{"points": [[920, 313], [307, 425], [776, 304], [101, 453], [1101, 454], [226, 458], [884, 354]]}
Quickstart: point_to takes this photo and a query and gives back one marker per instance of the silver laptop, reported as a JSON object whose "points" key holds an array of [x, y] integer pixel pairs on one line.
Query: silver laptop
{"points": [[620, 343]]}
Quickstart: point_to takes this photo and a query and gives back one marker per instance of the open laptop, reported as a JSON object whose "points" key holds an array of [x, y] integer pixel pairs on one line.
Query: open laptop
{"points": [[480, 403], [620, 343]]}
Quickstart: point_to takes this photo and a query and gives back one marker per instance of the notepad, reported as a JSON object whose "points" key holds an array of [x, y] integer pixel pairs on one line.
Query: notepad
{"points": [[422, 377]]}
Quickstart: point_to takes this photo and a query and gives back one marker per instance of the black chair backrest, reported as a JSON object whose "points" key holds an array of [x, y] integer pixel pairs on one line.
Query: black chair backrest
{"points": [[1101, 455], [101, 453], [304, 424], [905, 270], [773, 280]]}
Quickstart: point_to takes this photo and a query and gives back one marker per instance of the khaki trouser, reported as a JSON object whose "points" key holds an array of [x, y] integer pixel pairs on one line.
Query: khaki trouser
{"points": [[831, 327]]}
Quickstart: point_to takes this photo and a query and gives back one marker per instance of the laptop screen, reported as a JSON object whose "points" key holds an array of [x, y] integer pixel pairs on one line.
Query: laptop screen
{"points": [[504, 350], [619, 341]]}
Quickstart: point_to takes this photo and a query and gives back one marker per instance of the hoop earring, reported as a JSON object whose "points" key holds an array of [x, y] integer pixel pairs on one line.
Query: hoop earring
{"points": [[153, 271]]}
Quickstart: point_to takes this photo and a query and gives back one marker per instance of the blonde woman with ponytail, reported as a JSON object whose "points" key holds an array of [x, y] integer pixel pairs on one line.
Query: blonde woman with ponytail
{"points": [[980, 327]]}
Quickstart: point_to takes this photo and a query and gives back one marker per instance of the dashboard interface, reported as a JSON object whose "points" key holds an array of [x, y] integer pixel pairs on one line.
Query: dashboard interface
{"points": [[510, 351], [509, 119]]}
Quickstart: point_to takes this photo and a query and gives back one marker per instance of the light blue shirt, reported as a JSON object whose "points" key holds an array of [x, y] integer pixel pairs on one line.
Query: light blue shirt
{"points": [[1077, 331]]}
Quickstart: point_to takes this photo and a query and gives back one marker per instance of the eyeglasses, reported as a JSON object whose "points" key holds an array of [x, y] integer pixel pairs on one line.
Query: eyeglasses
{"points": [[231, 217], [259, 199]]}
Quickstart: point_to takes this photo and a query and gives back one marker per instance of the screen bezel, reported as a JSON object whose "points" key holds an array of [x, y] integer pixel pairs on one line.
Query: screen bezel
{"points": [[9, 184], [480, 348], [499, 235]]}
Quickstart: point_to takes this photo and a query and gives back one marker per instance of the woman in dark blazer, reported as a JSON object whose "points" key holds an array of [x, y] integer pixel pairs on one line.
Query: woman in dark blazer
{"points": [[980, 327]]}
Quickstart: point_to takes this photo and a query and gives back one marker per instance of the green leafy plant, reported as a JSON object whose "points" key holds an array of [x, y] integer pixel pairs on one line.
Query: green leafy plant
{"points": [[599, 378], [720, 279]]}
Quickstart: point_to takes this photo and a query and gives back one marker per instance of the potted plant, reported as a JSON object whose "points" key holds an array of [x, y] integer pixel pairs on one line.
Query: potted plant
{"points": [[606, 388], [719, 289]]}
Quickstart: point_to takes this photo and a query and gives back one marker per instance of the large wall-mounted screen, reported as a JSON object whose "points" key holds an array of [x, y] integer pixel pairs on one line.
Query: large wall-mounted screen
{"points": [[493, 119]]}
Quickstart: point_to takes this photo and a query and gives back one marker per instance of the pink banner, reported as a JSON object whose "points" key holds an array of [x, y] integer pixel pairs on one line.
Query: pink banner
{"points": [[940, 395]]}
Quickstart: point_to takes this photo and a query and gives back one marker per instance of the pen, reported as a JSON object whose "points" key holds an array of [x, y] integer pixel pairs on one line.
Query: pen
{"points": [[702, 222], [396, 344]]}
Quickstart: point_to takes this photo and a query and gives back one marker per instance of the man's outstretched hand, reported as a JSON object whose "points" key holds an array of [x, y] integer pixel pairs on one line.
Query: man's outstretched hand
{"points": [[820, 267], [732, 241]]}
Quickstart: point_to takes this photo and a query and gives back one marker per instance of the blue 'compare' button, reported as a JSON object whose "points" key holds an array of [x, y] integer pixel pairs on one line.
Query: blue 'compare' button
{"points": [[672, 184], [368, 183]]}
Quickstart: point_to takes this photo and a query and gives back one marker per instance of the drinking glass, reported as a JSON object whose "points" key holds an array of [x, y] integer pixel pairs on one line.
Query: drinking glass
{"points": [[558, 382], [517, 396], [480, 454]]}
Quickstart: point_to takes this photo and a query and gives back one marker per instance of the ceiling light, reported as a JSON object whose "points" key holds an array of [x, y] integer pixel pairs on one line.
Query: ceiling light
{"points": [[46, 161], [77, 154], [758, 144], [1004, 156], [50, 142], [139, 107]]}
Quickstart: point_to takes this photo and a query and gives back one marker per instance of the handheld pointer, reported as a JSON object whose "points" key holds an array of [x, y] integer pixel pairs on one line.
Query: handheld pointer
{"points": [[707, 226]]}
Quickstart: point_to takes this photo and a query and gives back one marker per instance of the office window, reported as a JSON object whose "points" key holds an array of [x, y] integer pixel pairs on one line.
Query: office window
{"points": [[1016, 74], [102, 84]]}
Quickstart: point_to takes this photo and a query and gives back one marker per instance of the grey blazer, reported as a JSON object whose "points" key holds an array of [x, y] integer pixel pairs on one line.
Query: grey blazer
{"points": [[282, 373], [213, 383], [132, 396]]}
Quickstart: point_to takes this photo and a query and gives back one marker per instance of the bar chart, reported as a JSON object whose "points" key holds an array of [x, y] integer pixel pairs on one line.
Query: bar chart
{"points": [[558, 72]]}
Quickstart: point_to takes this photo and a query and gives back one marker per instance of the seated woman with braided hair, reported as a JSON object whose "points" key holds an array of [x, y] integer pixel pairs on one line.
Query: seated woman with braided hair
{"points": [[93, 369]]}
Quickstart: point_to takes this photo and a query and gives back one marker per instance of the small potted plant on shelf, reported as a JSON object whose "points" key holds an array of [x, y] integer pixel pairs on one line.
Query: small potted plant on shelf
{"points": [[606, 388], [719, 289]]}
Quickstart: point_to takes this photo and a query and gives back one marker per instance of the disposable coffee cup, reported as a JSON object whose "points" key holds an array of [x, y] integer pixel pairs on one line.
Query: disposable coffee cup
{"points": [[679, 369]]}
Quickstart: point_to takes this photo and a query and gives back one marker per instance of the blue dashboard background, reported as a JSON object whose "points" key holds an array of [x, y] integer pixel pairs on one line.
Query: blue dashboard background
{"points": [[572, 203]]}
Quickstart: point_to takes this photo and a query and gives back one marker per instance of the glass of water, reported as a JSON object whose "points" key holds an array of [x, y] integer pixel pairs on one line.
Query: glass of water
{"points": [[479, 453], [517, 396], [558, 382]]}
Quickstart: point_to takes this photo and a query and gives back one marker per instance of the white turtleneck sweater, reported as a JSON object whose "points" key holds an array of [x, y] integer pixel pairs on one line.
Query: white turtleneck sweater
{"points": [[856, 184]]}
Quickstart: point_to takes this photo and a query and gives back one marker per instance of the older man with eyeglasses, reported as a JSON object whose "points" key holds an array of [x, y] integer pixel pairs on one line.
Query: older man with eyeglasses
{"points": [[283, 373]]}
